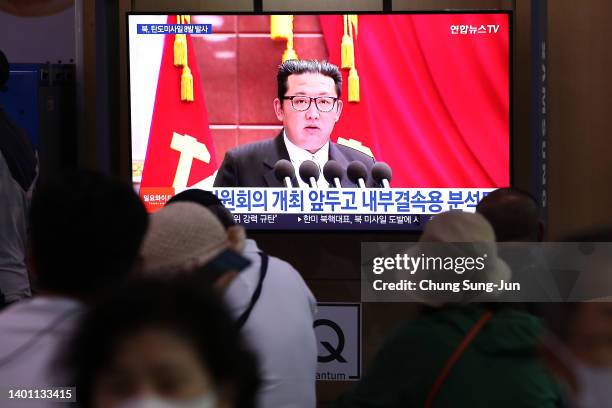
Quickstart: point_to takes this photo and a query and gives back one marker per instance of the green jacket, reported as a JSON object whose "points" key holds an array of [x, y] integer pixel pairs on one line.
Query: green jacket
{"points": [[500, 368]]}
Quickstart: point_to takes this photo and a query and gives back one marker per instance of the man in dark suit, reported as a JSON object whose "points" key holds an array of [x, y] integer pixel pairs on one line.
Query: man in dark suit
{"points": [[308, 103]]}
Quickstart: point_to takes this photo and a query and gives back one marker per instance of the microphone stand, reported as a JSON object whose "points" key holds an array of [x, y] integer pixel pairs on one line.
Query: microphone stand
{"points": [[313, 182]]}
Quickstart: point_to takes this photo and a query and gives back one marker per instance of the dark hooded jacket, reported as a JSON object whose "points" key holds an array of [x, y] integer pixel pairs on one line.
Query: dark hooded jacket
{"points": [[500, 368]]}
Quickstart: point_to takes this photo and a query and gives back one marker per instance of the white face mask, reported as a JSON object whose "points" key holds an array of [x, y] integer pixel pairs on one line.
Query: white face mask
{"points": [[207, 401]]}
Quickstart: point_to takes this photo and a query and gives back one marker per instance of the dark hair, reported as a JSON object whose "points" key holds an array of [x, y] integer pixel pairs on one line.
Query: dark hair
{"points": [[513, 214], [208, 200], [4, 70], [85, 232], [180, 305], [297, 67]]}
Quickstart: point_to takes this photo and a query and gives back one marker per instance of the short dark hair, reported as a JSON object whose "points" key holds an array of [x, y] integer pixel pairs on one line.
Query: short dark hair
{"points": [[180, 305], [297, 67], [208, 200], [85, 232], [513, 214]]}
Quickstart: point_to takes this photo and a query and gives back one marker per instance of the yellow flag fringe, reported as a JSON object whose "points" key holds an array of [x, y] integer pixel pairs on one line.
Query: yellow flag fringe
{"points": [[180, 50], [353, 86], [354, 23], [347, 58], [180, 60], [186, 85], [290, 53], [180, 46], [281, 27], [348, 55]]}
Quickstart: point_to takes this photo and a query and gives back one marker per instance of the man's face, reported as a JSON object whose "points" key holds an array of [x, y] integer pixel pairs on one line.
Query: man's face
{"points": [[311, 128]]}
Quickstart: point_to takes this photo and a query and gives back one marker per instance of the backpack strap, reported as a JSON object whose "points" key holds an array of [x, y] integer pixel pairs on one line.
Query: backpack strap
{"points": [[262, 274], [452, 360]]}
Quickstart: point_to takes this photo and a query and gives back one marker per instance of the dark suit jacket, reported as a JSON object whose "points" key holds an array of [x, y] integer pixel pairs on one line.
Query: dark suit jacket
{"points": [[252, 165]]}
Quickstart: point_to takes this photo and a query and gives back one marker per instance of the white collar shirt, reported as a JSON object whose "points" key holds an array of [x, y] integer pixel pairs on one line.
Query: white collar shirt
{"points": [[297, 155]]}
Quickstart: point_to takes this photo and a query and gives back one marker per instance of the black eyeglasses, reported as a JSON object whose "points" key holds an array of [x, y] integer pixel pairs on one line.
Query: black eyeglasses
{"points": [[301, 103]]}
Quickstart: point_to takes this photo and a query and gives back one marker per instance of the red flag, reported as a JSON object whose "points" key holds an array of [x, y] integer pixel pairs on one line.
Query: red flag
{"points": [[180, 151], [433, 105]]}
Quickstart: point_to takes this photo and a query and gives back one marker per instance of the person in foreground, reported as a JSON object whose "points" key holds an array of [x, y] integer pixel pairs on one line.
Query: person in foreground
{"points": [[85, 234], [275, 310], [308, 103], [160, 343], [458, 354], [580, 336]]}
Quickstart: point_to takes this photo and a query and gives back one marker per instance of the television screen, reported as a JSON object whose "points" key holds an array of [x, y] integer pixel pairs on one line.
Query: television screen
{"points": [[365, 121]]}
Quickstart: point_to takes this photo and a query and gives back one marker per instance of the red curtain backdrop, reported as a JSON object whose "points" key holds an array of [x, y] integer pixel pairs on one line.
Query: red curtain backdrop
{"points": [[170, 115], [434, 106]]}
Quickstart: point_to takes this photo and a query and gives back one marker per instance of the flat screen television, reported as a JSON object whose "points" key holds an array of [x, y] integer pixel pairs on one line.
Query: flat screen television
{"points": [[427, 93]]}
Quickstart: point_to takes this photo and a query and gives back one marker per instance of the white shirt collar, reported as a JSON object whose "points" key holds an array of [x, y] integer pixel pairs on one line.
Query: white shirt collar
{"points": [[301, 154], [297, 155]]}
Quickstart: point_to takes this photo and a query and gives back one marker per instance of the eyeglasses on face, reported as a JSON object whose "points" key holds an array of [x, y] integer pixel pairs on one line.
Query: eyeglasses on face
{"points": [[301, 103]]}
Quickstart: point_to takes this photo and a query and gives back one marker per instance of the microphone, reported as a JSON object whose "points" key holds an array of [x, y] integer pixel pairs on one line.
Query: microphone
{"points": [[284, 170], [332, 171], [309, 172], [357, 173], [381, 173]]}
